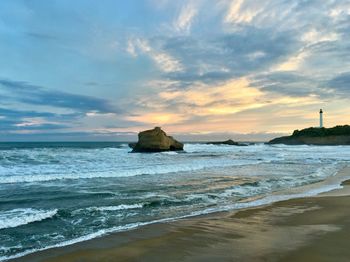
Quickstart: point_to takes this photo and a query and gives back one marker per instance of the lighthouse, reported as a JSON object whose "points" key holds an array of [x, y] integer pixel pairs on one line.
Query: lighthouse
{"points": [[321, 118]]}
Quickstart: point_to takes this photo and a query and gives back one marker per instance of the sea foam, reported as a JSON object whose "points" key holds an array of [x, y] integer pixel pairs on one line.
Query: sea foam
{"points": [[22, 216], [115, 208]]}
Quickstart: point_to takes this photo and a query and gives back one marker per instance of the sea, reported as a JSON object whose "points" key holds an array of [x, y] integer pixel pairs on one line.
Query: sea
{"points": [[57, 194]]}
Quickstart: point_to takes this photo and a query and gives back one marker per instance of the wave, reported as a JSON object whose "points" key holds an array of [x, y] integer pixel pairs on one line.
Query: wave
{"points": [[24, 216], [163, 202], [46, 164], [255, 203], [269, 200], [115, 208], [153, 170], [169, 153]]}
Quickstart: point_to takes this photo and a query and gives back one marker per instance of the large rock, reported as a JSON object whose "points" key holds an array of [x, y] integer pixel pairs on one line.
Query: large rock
{"points": [[156, 140]]}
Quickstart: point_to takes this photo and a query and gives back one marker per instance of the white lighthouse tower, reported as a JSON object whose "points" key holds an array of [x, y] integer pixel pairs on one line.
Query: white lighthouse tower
{"points": [[321, 118]]}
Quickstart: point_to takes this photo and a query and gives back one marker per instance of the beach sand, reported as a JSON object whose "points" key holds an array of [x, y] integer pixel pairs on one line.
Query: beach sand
{"points": [[305, 229]]}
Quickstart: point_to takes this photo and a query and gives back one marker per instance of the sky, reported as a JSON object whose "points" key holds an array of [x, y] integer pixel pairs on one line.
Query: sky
{"points": [[201, 69]]}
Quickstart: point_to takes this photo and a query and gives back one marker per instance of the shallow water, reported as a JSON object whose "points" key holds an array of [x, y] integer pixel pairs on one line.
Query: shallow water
{"points": [[53, 194]]}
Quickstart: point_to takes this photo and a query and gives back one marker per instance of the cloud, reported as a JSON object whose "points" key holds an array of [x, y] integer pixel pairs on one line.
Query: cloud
{"points": [[226, 56], [262, 13], [36, 95], [240, 13], [15, 120], [184, 21], [162, 59], [242, 104], [40, 126], [290, 83], [292, 63], [228, 98], [340, 84], [46, 101], [314, 36], [25, 125], [4, 112], [50, 135]]}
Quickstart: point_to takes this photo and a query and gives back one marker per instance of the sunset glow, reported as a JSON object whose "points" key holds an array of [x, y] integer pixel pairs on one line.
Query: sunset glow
{"points": [[192, 67]]}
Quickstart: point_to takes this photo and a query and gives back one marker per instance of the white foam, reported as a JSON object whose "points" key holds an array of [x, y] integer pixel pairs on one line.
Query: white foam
{"points": [[268, 200], [256, 203], [127, 172], [115, 208], [42, 165], [23, 216], [169, 153]]}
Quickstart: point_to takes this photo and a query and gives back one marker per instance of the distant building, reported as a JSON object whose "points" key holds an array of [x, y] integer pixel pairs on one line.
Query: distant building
{"points": [[321, 118]]}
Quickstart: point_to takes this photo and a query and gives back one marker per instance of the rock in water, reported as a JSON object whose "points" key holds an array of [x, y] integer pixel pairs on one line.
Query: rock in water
{"points": [[132, 145], [156, 140], [227, 142]]}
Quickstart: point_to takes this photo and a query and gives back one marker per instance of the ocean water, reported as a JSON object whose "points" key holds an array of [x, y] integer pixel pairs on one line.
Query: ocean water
{"points": [[55, 194]]}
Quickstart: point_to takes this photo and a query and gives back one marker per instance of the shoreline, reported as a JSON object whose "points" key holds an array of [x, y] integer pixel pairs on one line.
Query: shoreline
{"points": [[140, 243]]}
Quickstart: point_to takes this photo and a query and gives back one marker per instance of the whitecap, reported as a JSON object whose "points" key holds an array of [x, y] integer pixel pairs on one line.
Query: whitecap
{"points": [[22, 216], [115, 208]]}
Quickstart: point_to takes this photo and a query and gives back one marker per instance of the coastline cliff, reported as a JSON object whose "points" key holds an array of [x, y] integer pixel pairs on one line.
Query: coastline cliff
{"points": [[338, 135]]}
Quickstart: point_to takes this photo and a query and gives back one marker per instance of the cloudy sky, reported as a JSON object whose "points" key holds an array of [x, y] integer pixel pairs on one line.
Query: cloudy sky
{"points": [[201, 69]]}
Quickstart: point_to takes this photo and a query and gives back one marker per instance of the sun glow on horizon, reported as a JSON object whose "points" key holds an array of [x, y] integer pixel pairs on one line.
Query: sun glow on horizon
{"points": [[189, 66]]}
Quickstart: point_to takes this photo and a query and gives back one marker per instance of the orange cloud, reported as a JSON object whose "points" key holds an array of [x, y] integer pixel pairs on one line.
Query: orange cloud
{"points": [[231, 97], [157, 118], [234, 106]]}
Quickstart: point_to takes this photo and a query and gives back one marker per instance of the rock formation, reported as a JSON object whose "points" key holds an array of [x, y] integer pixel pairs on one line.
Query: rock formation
{"points": [[155, 140], [227, 142], [339, 135]]}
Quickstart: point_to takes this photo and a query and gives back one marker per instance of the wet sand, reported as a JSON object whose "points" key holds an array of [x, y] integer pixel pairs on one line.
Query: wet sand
{"points": [[305, 229]]}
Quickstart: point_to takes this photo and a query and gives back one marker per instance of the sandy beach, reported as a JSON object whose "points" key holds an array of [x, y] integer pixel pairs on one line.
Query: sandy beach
{"points": [[304, 229]]}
